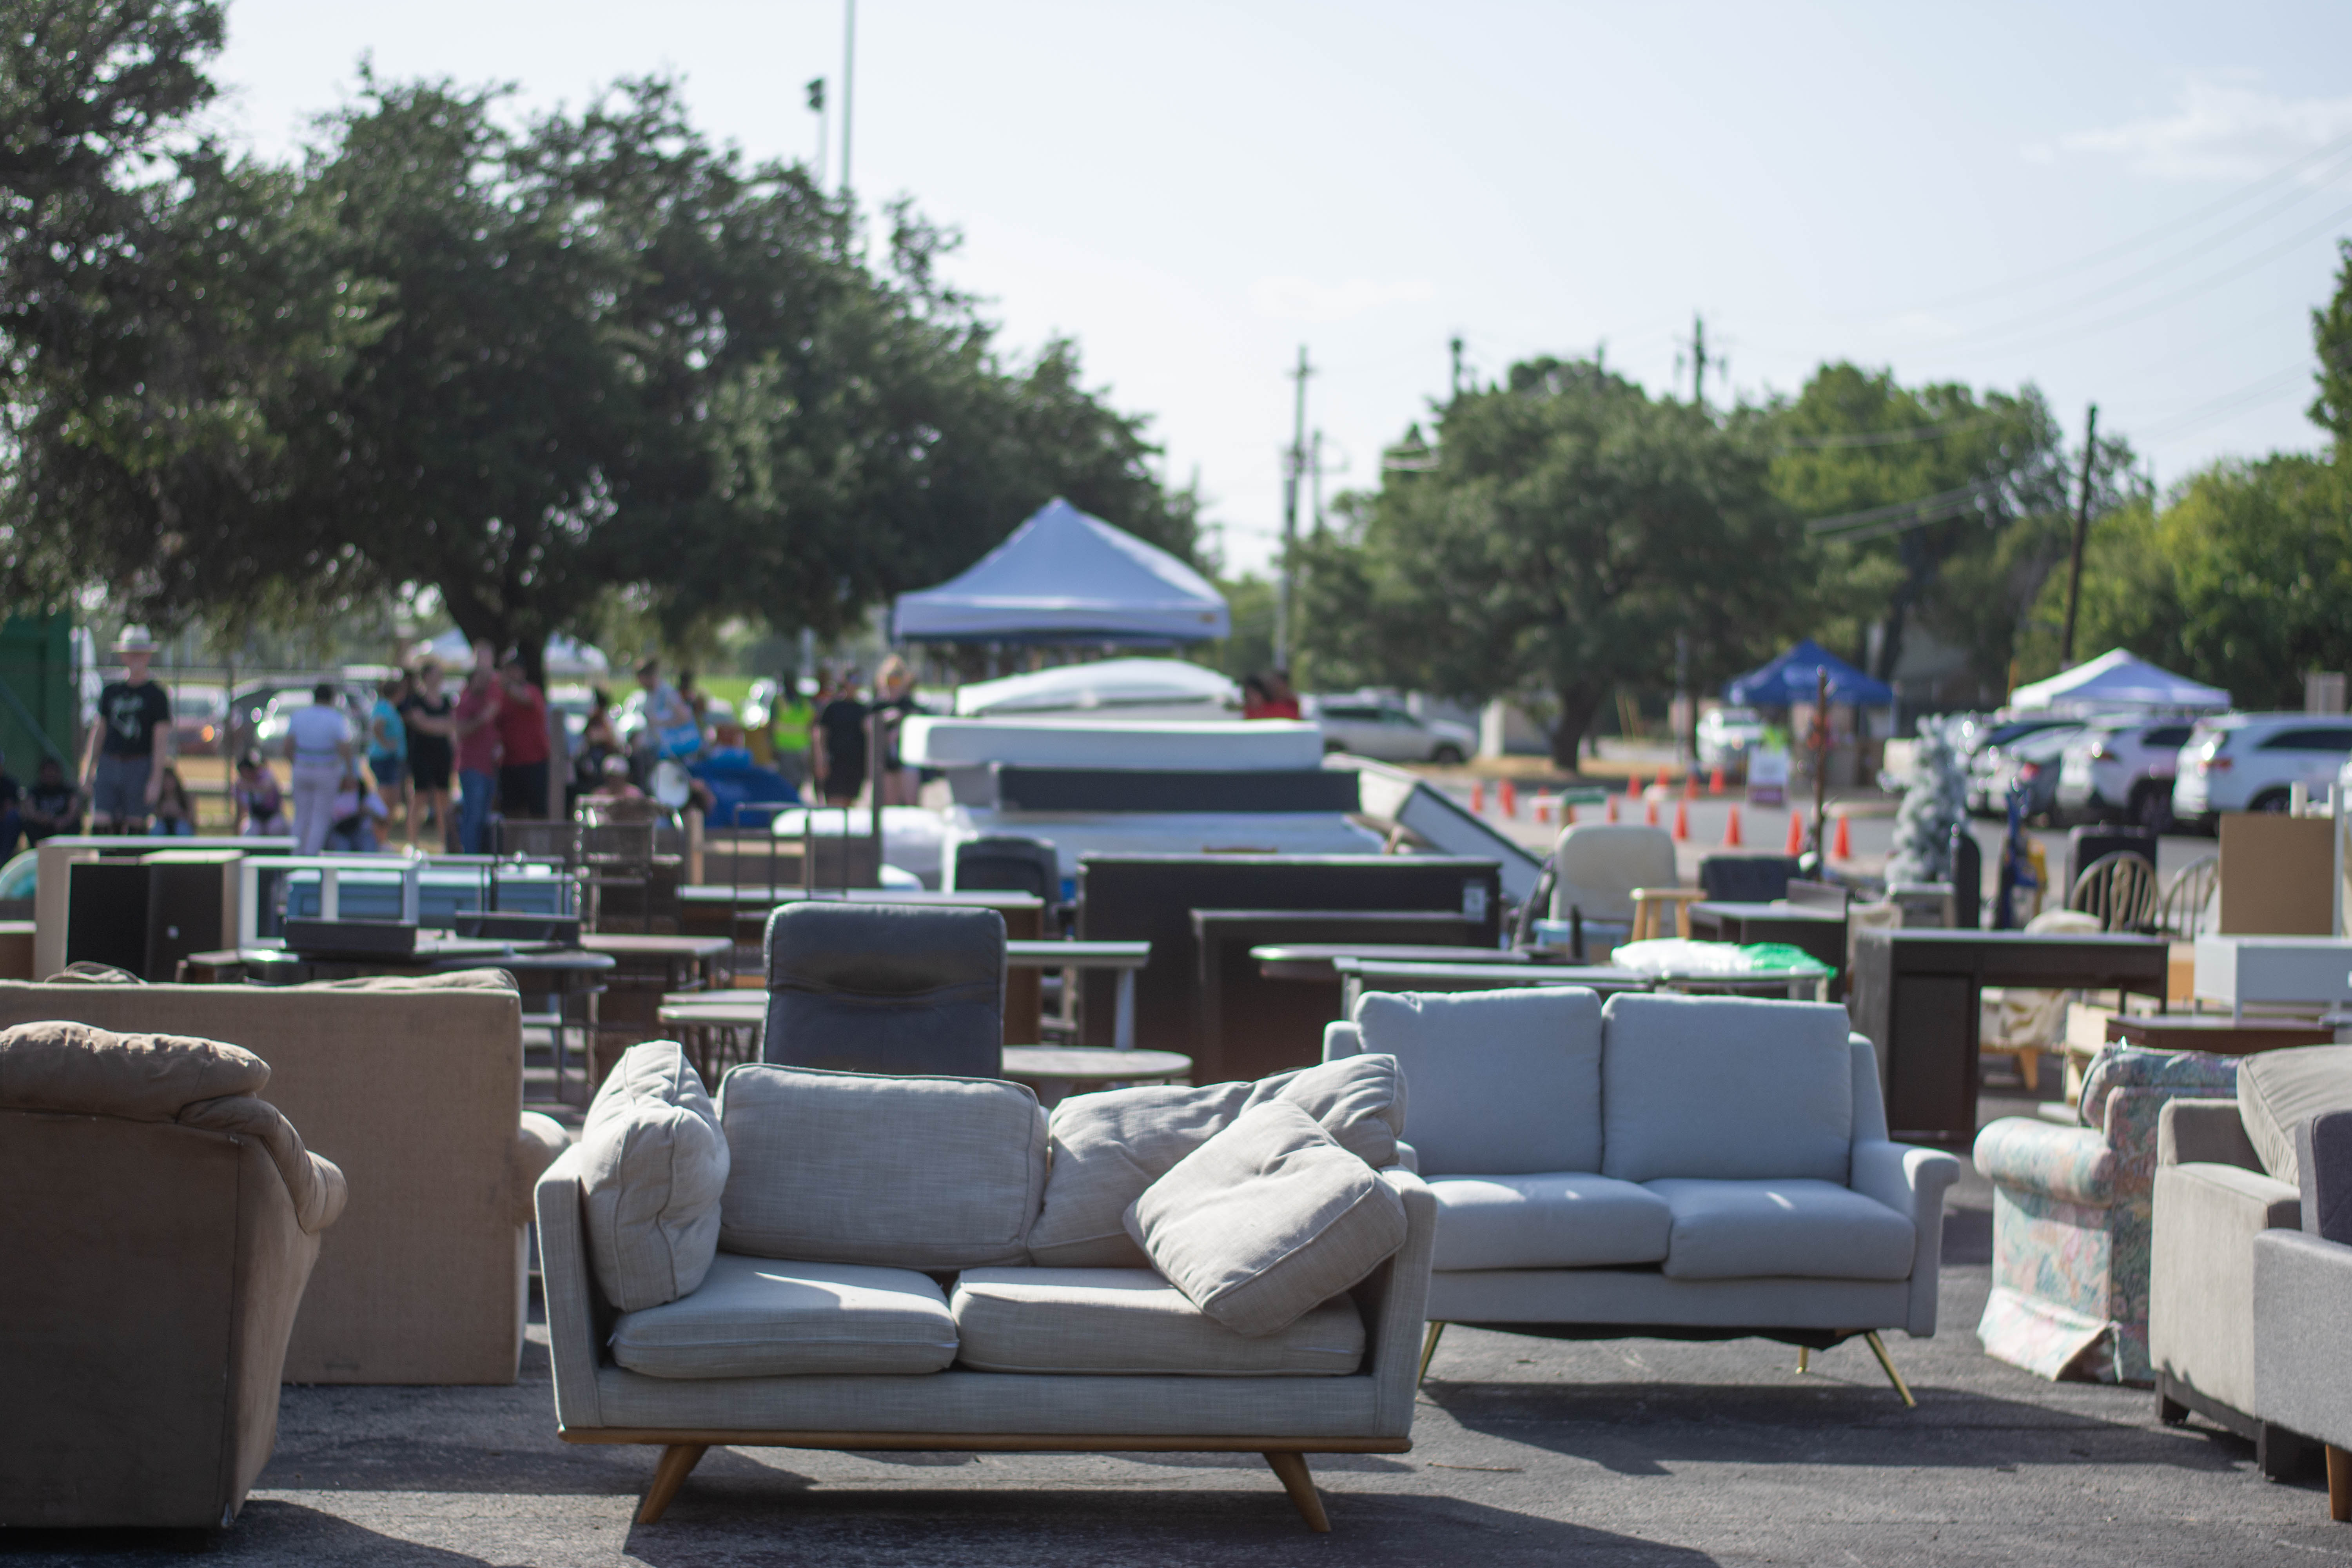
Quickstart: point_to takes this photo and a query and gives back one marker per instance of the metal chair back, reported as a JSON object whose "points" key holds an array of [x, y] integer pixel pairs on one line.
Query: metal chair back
{"points": [[2182, 911]]}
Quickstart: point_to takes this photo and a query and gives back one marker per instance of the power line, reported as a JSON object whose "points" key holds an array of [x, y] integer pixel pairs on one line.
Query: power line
{"points": [[1934, 432], [2294, 166], [1879, 520]]}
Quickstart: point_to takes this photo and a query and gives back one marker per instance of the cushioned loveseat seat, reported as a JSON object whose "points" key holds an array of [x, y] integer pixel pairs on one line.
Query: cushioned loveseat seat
{"points": [[838, 1260], [1665, 1166]]}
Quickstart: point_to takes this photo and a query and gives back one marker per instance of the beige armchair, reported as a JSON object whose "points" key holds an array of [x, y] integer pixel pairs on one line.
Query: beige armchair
{"points": [[416, 1085], [161, 1224]]}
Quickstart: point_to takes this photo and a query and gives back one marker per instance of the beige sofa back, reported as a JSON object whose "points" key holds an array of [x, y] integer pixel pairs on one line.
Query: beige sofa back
{"points": [[417, 1095]]}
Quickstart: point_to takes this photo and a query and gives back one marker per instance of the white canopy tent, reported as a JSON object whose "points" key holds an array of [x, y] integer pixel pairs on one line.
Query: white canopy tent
{"points": [[1066, 577], [2117, 679]]}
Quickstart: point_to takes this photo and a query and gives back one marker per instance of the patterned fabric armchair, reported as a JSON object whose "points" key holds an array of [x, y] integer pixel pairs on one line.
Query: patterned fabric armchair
{"points": [[2072, 1218]]}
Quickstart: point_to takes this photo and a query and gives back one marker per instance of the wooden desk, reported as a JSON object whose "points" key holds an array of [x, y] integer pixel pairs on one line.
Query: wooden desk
{"points": [[1915, 995], [1818, 934], [645, 971], [1247, 1023], [1074, 959]]}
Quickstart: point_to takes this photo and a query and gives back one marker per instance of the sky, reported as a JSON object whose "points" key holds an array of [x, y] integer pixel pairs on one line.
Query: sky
{"points": [[2135, 206]]}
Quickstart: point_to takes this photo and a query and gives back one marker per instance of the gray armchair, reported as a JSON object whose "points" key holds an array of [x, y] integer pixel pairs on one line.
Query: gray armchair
{"points": [[886, 988]]}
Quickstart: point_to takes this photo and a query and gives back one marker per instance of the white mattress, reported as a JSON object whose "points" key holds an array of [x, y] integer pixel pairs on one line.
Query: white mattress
{"points": [[1075, 834], [1263, 745]]}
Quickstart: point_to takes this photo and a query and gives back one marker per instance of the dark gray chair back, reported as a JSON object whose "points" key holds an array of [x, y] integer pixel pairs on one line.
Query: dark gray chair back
{"points": [[1009, 865], [1747, 878], [886, 988]]}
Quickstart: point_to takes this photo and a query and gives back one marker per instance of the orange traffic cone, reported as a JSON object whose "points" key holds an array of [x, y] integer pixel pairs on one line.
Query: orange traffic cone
{"points": [[1479, 796], [1796, 833], [1543, 807], [1690, 786], [1650, 812], [1714, 782], [1568, 815], [1613, 808], [1842, 843], [1682, 822], [1509, 796], [1731, 830]]}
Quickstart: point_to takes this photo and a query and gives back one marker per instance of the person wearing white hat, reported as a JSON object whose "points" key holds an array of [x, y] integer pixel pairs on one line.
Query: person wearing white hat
{"points": [[122, 766]]}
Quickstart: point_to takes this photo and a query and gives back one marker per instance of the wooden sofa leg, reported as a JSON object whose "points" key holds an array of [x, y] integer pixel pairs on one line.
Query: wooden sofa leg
{"points": [[2339, 1484], [1292, 1467], [1428, 1350], [1878, 1349], [678, 1462]]}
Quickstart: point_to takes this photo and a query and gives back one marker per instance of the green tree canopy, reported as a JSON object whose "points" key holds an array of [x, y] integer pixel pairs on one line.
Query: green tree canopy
{"points": [[1552, 542]]}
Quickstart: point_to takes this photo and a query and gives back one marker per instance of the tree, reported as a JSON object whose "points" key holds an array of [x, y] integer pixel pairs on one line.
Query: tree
{"points": [[1987, 483], [535, 365], [2331, 335], [1559, 534]]}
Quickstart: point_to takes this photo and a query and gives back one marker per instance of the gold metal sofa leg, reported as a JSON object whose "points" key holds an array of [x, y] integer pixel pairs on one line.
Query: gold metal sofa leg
{"points": [[1428, 1349], [1878, 1349]]}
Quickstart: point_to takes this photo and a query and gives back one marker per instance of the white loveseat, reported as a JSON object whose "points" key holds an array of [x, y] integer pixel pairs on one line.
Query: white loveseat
{"points": [[878, 1279], [1688, 1167]]}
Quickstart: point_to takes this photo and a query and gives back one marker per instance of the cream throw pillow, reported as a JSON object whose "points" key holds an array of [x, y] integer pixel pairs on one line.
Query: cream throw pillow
{"points": [[653, 1163], [1267, 1220]]}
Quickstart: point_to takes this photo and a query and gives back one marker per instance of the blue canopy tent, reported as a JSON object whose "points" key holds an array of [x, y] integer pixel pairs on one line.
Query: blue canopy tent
{"points": [[1066, 577], [1794, 678]]}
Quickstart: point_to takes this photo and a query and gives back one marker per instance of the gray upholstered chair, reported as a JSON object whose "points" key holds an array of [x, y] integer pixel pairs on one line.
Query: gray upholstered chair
{"points": [[161, 1224], [886, 988]]}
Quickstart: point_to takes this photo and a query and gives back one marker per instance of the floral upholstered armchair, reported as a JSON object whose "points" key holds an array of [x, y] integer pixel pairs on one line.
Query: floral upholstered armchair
{"points": [[2072, 1218]]}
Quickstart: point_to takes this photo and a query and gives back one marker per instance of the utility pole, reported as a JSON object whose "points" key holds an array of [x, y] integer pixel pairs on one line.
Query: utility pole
{"points": [[2082, 532], [1315, 476], [1294, 468], [816, 107], [1698, 359], [848, 81], [1455, 345]]}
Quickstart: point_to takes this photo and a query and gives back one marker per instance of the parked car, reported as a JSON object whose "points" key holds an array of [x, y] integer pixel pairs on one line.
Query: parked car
{"points": [[2250, 761], [1386, 732], [269, 732], [1725, 735], [1989, 742], [2121, 769], [199, 720], [2031, 762]]}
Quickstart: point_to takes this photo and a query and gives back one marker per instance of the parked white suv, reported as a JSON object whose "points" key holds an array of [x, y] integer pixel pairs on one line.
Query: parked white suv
{"points": [[1387, 733], [2122, 769], [2248, 762]]}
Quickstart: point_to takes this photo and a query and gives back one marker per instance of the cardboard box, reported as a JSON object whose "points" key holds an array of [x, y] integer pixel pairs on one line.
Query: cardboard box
{"points": [[2277, 874]]}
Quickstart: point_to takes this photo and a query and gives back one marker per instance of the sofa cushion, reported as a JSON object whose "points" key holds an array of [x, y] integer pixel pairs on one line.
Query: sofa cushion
{"points": [[1793, 1229], [1504, 1082], [1559, 1219], [1133, 1322], [756, 1317], [1728, 1087], [2276, 1090], [80, 1069], [915, 1172], [1109, 1147], [1267, 1220], [653, 1164]]}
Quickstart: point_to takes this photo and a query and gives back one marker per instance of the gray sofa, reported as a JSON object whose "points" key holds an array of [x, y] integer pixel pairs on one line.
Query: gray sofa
{"points": [[1665, 1166], [2233, 1183], [2302, 1280], [893, 1268]]}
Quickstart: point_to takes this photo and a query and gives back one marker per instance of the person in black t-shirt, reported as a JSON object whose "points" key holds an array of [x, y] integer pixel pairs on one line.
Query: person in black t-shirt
{"points": [[841, 743], [123, 766]]}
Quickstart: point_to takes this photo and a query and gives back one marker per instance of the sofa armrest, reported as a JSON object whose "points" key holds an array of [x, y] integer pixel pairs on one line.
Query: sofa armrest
{"points": [[1341, 1039], [540, 1140], [2204, 1132], [574, 1342], [2200, 1273], [2323, 1150], [1407, 1157], [1396, 1303], [1912, 1182], [2070, 1164], [2302, 1335]]}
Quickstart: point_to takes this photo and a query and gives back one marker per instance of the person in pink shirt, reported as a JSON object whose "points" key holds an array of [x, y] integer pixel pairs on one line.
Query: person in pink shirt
{"points": [[476, 722]]}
